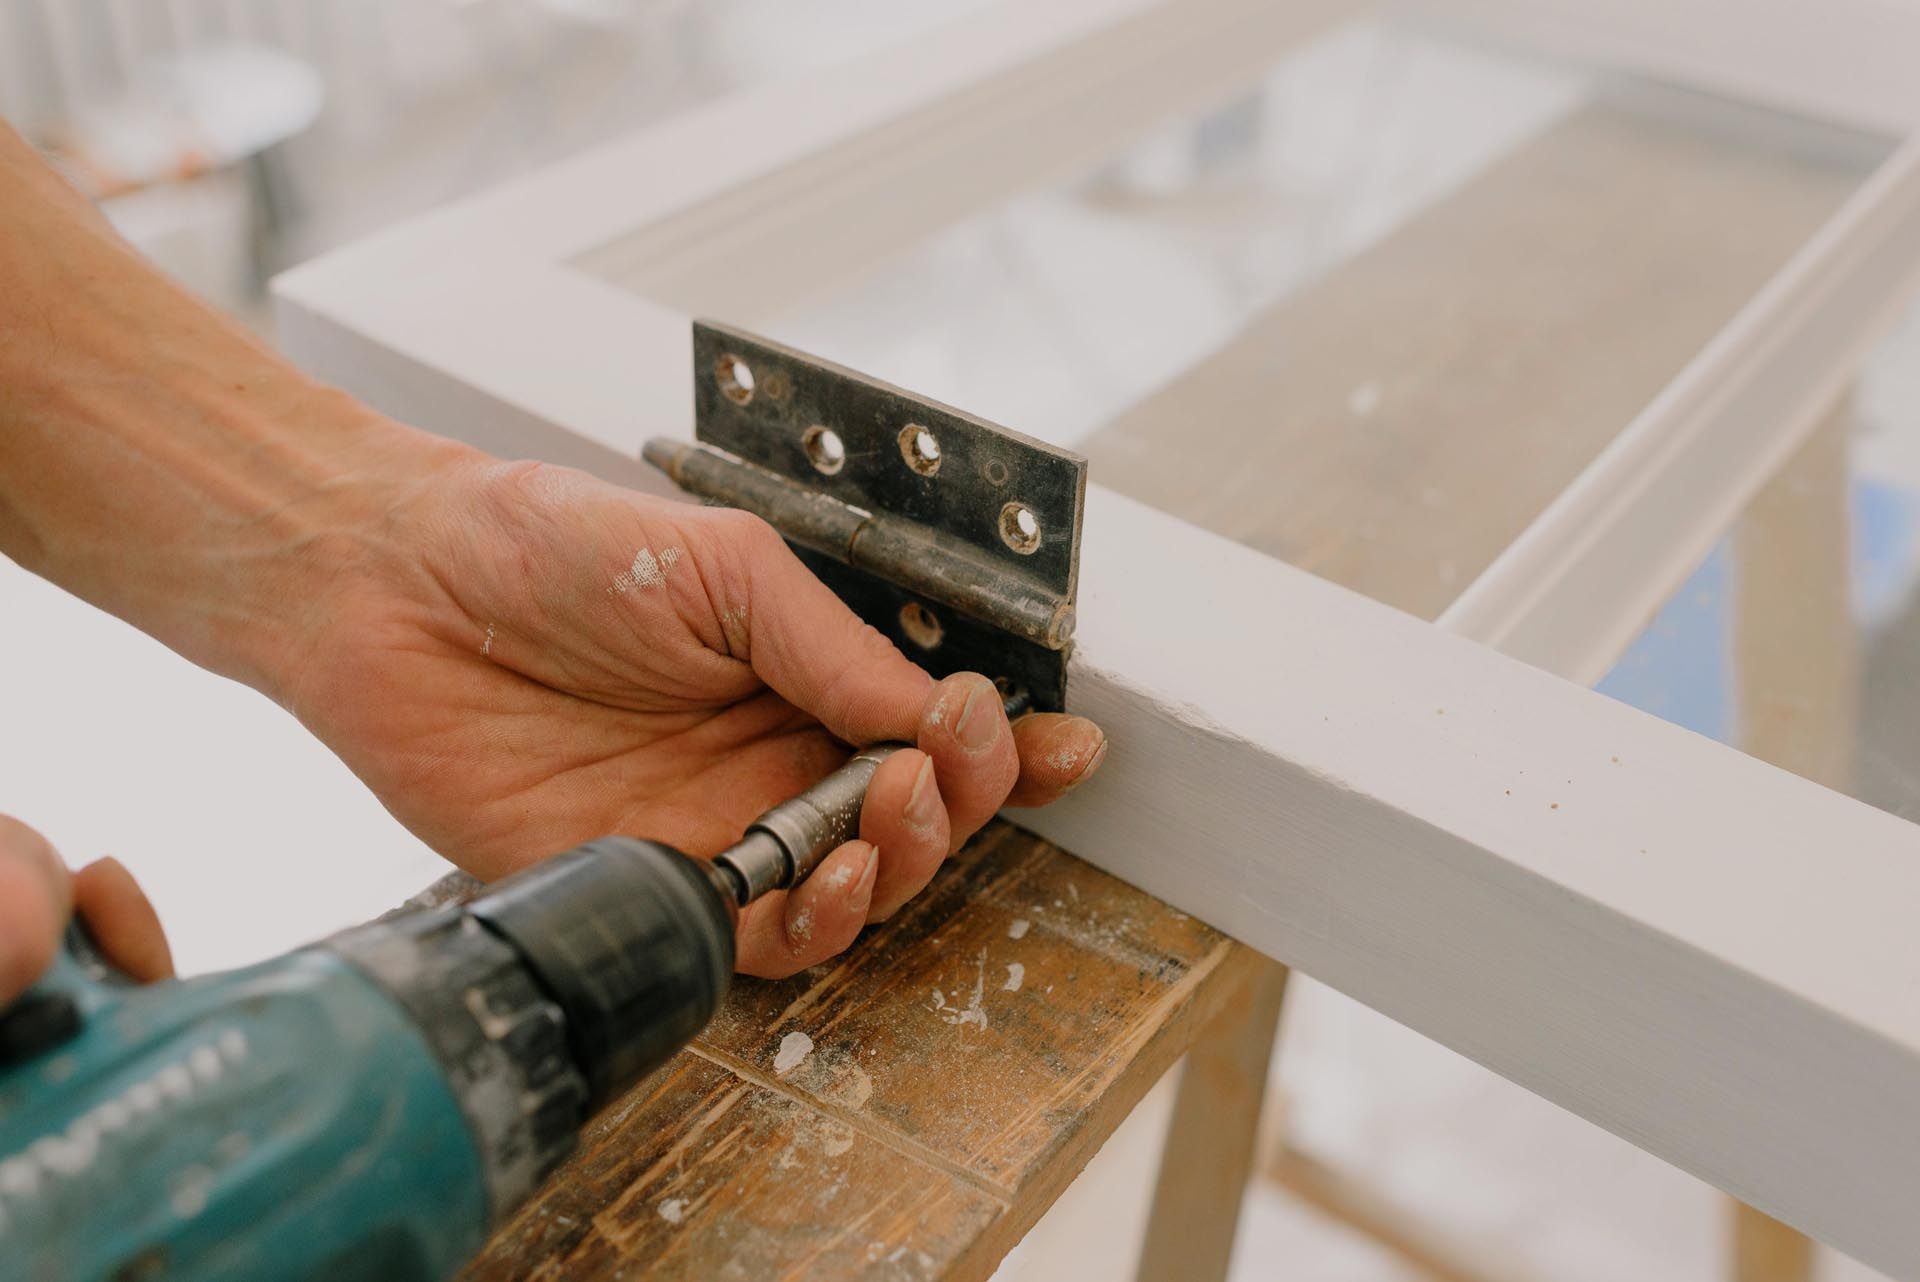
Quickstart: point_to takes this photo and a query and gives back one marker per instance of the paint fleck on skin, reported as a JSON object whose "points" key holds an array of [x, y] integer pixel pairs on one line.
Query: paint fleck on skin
{"points": [[674, 1210], [1016, 976], [1018, 930], [794, 1047], [801, 927], [839, 877], [647, 571], [486, 647]]}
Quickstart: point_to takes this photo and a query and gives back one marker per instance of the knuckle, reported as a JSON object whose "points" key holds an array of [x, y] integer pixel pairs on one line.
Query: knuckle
{"points": [[745, 533]]}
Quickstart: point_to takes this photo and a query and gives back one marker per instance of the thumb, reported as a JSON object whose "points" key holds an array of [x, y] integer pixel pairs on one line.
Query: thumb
{"points": [[35, 900], [818, 655]]}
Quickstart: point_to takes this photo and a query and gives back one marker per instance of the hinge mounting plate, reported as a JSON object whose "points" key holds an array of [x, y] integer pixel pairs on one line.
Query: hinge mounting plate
{"points": [[958, 539]]}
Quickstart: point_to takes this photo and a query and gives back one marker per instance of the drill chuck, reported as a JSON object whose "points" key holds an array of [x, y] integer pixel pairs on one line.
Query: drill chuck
{"points": [[631, 939]]}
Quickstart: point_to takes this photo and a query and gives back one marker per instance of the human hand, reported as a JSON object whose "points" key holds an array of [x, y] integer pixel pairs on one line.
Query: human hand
{"points": [[37, 895], [521, 658], [514, 658]]}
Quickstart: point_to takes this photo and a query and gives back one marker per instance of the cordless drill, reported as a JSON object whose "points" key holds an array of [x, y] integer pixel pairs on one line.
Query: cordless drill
{"points": [[370, 1106]]}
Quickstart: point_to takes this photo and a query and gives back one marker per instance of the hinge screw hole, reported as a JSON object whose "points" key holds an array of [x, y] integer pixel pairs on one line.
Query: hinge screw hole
{"points": [[735, 378], [921, 627], [1015, 699], [920, 448], [825, 450], [1020, 528]]}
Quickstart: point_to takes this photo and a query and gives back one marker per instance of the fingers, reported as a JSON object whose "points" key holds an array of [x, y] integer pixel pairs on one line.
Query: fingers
{"points": [[963, 727], [122, 921], [906, 818], [35, 899], [1057, 752], [805, 643], [791, 931]]}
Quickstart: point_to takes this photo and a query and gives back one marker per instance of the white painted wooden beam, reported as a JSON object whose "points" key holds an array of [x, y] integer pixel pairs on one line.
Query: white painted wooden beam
{"points": [[1580, 582], [1706, 955]]}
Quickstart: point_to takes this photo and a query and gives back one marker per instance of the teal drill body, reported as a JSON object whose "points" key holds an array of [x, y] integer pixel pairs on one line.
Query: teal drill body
{"points": [[283, 1121], [365, 1109], [361, 1110]]}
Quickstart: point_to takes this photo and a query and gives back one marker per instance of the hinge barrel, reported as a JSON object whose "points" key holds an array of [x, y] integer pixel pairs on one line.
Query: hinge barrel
{"points": [[924, 561]]}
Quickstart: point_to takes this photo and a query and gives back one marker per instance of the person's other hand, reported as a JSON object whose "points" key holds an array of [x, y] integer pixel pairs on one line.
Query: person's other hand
{"points": [[37, 895], [522, 658]]}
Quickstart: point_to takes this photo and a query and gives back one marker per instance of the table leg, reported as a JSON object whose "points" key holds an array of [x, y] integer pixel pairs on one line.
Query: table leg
{"points": [[1209, 1153], [1797, 674]]}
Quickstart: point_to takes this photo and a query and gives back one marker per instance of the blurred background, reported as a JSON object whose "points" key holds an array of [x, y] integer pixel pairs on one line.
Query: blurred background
{"points": [[232, 138]]}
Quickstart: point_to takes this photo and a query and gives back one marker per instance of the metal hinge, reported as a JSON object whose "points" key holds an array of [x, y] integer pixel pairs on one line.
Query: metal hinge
{"points": [[958, 539]]}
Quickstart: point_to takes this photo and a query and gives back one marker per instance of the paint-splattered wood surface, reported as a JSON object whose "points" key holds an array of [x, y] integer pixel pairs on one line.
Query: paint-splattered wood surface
{"points": [[905, 1112]]}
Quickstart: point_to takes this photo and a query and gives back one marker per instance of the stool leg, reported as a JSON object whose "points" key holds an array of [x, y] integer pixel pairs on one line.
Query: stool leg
{"points": [[1209, 1154], [1765, 1250], [1797, 674]]}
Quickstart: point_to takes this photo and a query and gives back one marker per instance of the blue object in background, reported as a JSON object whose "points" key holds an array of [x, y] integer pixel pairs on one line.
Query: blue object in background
{"points": [[1680, 668]]}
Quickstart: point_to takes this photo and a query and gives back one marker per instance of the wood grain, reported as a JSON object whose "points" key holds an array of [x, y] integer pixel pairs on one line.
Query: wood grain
{"points": [[940, 1110]]}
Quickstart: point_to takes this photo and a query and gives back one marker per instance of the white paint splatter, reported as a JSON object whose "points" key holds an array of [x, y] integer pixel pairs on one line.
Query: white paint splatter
{"points": [[647, 571], [975, 1011], [801, 927], [1016, 976], [1363, 400], [848, 1084], [1019, 929], [794, 1047], [674, 1210], [486, 647], [835, 1139], [840, 876]]}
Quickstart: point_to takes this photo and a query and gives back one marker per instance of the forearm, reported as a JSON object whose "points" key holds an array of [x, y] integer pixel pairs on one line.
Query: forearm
{"points": [[154, 458]]}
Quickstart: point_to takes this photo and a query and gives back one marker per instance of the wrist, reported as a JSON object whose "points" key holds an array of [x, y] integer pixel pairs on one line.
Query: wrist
{"points": [[159, 462], [331, 536]]}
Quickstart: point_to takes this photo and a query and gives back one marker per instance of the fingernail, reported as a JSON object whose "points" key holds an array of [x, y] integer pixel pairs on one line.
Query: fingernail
{"points": [[980, 718], [1093, 764], [923, 804], [863, 889]]}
